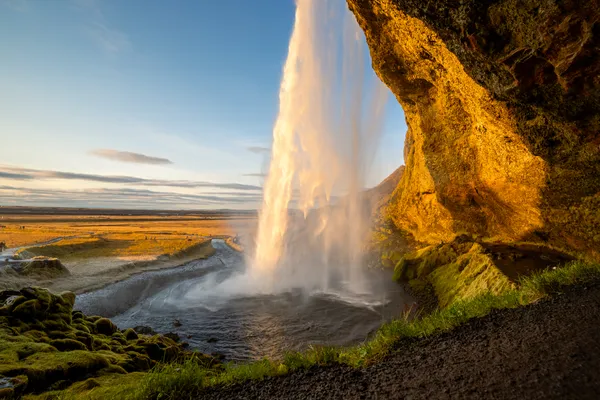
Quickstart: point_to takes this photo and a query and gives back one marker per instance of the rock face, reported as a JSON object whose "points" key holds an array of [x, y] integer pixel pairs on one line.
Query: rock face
{"points": [[502, 101]]}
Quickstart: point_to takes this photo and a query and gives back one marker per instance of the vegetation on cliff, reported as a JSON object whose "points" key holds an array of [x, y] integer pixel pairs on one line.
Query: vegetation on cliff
{"points": [[465, 268]]}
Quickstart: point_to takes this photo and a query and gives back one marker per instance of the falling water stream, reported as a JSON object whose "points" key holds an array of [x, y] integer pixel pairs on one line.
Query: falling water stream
{"points": [[324, 141], [305, 281]]}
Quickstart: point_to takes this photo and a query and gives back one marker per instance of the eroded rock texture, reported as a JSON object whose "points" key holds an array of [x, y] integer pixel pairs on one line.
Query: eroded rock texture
{"points": [[502, 100]]}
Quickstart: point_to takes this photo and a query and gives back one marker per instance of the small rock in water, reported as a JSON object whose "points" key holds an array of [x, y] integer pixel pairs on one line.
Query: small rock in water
{"points": [[176, 323], [173, 336], [212, 340], [144, 330]]}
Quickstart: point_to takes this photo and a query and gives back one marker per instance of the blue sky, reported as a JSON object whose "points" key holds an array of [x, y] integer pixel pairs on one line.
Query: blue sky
{"points": [[90, 87]]}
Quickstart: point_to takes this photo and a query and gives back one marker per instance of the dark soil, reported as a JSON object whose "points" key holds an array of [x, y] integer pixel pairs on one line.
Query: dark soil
{"points": [[549, 350]]}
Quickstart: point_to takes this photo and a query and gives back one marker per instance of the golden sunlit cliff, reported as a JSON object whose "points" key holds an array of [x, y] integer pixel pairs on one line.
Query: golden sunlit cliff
{"points": [[502, 102]]}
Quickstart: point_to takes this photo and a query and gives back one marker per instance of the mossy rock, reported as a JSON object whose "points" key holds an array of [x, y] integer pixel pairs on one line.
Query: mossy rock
{"points": [[44, 369], [104, 326], [90, 384], [43, 295], [130, 334], [56, 325], [77, 316], [112, 369], [119, 338], [28, 310], [68, 345], [14, 301], [100, 345], [58, 349], [81, 328], [154, 351], [136, 362], [68, 299], [86, 339], [36, 335]]}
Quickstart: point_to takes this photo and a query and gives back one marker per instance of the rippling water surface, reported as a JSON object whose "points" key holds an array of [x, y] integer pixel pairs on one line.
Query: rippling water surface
{"points": [[217, 312]]}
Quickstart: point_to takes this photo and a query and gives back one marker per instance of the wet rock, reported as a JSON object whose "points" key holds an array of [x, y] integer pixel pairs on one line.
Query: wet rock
{"points": [[177, 323], [6, 294], [14, 301], [173, 336], [11, 388], [212, 340], [144, 330]]}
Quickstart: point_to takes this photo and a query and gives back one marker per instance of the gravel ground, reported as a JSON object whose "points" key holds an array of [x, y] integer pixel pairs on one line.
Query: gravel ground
{"points": [[549, 350]]}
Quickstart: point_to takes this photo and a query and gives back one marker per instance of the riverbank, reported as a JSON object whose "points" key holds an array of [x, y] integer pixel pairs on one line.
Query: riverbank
{"points": [[547, 350], [94, 273], [291, 377]]}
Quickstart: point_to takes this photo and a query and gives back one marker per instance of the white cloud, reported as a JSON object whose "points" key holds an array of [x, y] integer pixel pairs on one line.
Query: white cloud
{"points": [[129, 157]]}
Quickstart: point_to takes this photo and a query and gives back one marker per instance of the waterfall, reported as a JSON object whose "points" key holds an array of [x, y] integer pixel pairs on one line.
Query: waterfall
{"points": [[324, 141]]}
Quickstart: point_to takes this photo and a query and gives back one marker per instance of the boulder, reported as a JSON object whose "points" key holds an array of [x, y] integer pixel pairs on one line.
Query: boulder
{"points": [[104, 326], [130, 334], [68, 345]]}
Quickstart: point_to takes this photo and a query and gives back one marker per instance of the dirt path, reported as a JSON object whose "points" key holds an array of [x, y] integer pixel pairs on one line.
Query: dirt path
{"points": [[550, 350]]}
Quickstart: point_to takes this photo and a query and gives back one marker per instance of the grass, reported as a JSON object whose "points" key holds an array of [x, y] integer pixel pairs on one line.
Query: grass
{"points": [[42, 228], [116, 245], [183, 381]]}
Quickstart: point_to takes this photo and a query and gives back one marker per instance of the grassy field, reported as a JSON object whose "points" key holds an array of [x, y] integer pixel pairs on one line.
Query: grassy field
{"points": [[115, 236]]}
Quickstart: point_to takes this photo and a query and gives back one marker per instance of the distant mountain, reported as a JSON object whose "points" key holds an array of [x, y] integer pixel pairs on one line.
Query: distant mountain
{"points": [[380, 195]]}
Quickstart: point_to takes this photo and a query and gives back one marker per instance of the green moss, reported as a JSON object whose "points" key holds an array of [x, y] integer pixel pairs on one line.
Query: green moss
{"points": [[38, 339], [130, 334], [104, 326], [68, 345], [470, 275]]}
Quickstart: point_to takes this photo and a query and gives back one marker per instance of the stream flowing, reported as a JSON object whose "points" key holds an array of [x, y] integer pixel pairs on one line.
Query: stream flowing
{"points": [[199, 303]]}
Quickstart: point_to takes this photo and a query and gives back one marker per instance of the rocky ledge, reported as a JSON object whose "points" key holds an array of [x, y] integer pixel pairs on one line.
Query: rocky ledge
{"points": [[45, 345]]}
